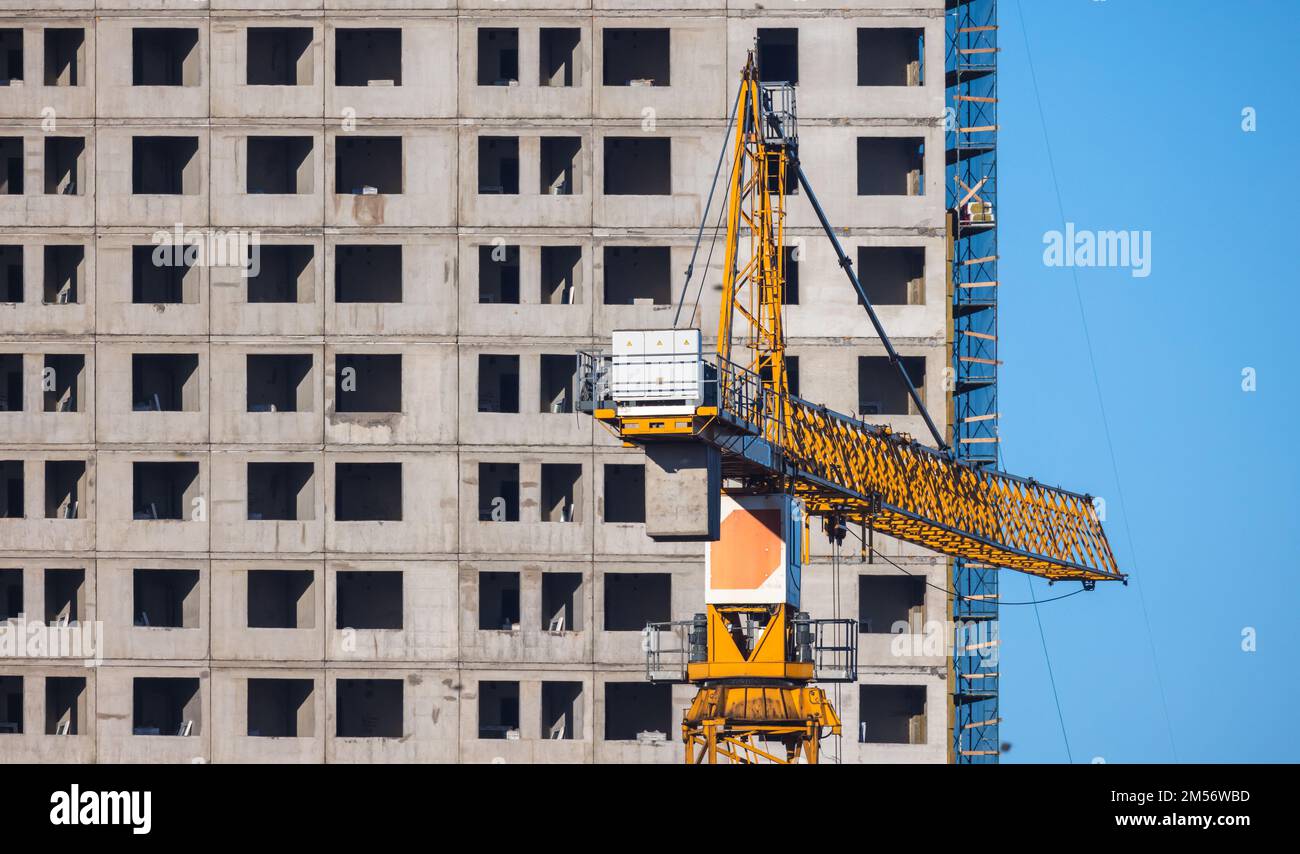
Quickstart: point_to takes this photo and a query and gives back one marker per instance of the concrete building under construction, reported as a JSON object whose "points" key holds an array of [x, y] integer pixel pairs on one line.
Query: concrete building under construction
{"points": [[336, 505]]}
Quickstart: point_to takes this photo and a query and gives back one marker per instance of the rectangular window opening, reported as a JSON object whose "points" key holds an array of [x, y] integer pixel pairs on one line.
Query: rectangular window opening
{"points": [[281, 492], [11, 272], [65, 56], [166, 598], [281, 599], [163, 278], [368, 382], [784, 182], [282, 274], [65, 596], [278, 382], [558, 373], [498, 709], [624, 493], [561, 175], [498, 165], [64, 377], [280, 165], [64, 273], [165, 56], [11, 56], [65, 705], [791, 263], [367, 57], [881, 391], [561, 274], [498, 383], [12, 486], [561, 710], [65, 489], [11, 594], [368, 708], [165, 165], [279, 56], [792, 374], [634, 708], [561, 492], [562, 601], [891, 166], [558, 56], [164, 490], [498, 492], [636, 56], [892, 275], [13, 169], [11, 705], [368, 273], [638, 166], [64, 165], [498, 601], [638, 275], [166, 706], [888, 603], [891, 714], [498, 274], [634, 599], [366, 165], [498, 56], [281, 708], [368, 492], [368, 600], [891, 56], [11, 382], [165, 382], [778, 55]]}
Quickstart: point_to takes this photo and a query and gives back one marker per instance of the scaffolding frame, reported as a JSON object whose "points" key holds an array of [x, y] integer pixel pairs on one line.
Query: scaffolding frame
{"points": [[971, 126]]}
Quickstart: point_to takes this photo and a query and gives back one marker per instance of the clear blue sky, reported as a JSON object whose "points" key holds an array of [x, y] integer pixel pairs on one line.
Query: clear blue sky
{"points": [[1142, 102]]}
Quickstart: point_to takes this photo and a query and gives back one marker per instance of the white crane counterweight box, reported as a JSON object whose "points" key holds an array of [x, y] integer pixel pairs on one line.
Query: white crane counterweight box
{"points": [[657, 371], [758, 557]]}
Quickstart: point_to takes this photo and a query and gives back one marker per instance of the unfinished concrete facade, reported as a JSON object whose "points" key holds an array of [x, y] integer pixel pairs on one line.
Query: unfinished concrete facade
{"points": [[342, 510]]}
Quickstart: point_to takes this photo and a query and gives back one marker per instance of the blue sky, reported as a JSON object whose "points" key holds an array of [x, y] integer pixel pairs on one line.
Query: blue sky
{"points": [[1142, 103]]}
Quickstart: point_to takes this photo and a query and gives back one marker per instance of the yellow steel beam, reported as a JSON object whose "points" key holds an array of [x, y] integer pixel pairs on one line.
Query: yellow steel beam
{"points": [[929, 499]]}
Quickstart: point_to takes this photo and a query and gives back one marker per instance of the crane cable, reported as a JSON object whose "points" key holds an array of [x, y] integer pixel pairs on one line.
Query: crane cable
{"points": [[835, 609], [704, 219], [1101, 402], [713, 244]]}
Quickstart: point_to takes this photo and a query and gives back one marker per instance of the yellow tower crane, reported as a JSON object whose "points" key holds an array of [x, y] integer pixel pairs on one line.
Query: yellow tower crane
{"points": [[759, 463]]}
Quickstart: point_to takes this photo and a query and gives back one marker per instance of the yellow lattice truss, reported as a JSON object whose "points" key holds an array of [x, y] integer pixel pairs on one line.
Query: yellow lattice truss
{"points": [[753, 286], [927, 498], [757, 724]]}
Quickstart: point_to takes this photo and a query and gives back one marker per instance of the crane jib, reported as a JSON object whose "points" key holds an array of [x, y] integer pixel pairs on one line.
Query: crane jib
{"points": [[898, 487]]}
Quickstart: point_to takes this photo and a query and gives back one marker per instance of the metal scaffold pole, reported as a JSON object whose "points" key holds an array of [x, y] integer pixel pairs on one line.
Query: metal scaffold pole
{"points": [[971, 128]]}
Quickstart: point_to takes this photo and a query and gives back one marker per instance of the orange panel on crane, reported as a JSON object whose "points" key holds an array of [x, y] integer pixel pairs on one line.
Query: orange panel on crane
{"points": [[757, 559]]}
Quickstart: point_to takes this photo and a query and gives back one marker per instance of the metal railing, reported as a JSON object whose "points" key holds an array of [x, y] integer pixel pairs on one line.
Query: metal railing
{"points": [[830, 645], [835, 649], [591, 381], [670, 647]]}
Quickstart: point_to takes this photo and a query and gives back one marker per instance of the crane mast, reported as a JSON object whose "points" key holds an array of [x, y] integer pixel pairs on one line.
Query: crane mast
{"points": [[774, 461], [755, 289]]}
